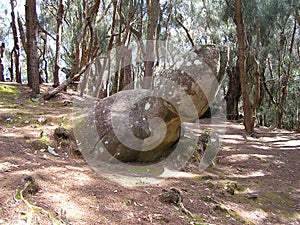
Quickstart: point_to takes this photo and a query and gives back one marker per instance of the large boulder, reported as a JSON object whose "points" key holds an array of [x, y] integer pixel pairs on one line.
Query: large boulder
{"points": [[199, 73], [137, 125], [144, 125]]}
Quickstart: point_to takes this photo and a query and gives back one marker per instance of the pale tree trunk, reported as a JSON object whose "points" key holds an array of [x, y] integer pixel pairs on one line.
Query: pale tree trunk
{"points": [[16, 50], [1, 62], [60, 12], [242, 60], [44, 58], [31, 46], [153, 9]]}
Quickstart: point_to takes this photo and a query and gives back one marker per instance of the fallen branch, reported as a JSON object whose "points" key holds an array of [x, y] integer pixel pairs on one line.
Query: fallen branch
{"points": [[51, 93]]}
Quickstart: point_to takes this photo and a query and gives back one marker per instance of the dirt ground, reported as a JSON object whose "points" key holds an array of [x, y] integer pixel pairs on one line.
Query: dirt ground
{"points": [[254, 180]]}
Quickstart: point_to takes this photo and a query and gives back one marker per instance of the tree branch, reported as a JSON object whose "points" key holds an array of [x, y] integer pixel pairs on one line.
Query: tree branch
{"points": [[187, 32], [51, 93]]}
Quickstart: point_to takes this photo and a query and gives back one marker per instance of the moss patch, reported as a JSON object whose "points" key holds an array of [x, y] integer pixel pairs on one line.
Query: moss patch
{"points": [[8, 90], [276, 202], [8, 94]]}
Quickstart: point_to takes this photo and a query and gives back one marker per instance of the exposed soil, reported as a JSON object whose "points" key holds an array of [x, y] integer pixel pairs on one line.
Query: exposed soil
{"points": [[254, 180]]}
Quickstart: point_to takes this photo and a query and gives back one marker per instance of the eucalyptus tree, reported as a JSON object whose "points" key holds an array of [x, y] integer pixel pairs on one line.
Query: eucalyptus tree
{"points": [[4, 33], [16, 49], [31, 46], [274, 40]]}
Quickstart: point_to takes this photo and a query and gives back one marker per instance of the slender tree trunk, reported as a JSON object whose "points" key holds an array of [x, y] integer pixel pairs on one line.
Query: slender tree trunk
{"points": [[126, 61], [1, 62], [22, 33], [31, 46], [11, 68], [234, 93], [44, 50], [16, 42], [60, 12], [153, 15], [282, 95], [242, 60], [257, 97], [106, 62]]}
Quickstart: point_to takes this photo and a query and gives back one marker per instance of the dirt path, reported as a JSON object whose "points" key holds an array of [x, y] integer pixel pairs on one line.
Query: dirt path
{"points": [[254, 180]]}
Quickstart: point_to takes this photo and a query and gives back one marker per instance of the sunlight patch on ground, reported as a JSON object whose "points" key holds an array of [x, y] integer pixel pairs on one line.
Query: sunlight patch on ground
{"points": [[177, 174], [64, 202], [256, 216], [128, 181], [12, 135], [131, 181], [253, 174], [233, 139], [263, 147], [244, 157], [289, 143], [7, 166], [275, 139]]}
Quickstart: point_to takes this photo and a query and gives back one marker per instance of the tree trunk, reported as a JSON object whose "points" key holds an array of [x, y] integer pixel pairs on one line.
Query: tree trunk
{"points": [[44, 50], [31, 46], [242, 61], [16, 43], [22, 33], [233, 94], [11, 68], [106, 59], [128, 74], [1, 62], [153, 14], [59, 18], [282, 95]]}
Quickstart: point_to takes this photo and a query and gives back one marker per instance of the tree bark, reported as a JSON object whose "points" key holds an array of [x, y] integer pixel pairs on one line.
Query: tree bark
{"points": [[109, 48], [51, 93], [233, 94], [282, 95], [242, 61], [31, 46], [44, 50], [1, 62], [153, 14], [16, 43], [22, 34], [60, 12]]}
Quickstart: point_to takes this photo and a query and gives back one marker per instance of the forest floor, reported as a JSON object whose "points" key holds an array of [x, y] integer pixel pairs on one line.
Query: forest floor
{"points": [[255, 180]]}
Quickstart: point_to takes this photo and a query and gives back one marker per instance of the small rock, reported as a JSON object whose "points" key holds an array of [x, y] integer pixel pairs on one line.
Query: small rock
{"points": [[31, 187], [252, 196], [171, 196], [41, 119], [61, 133]]}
